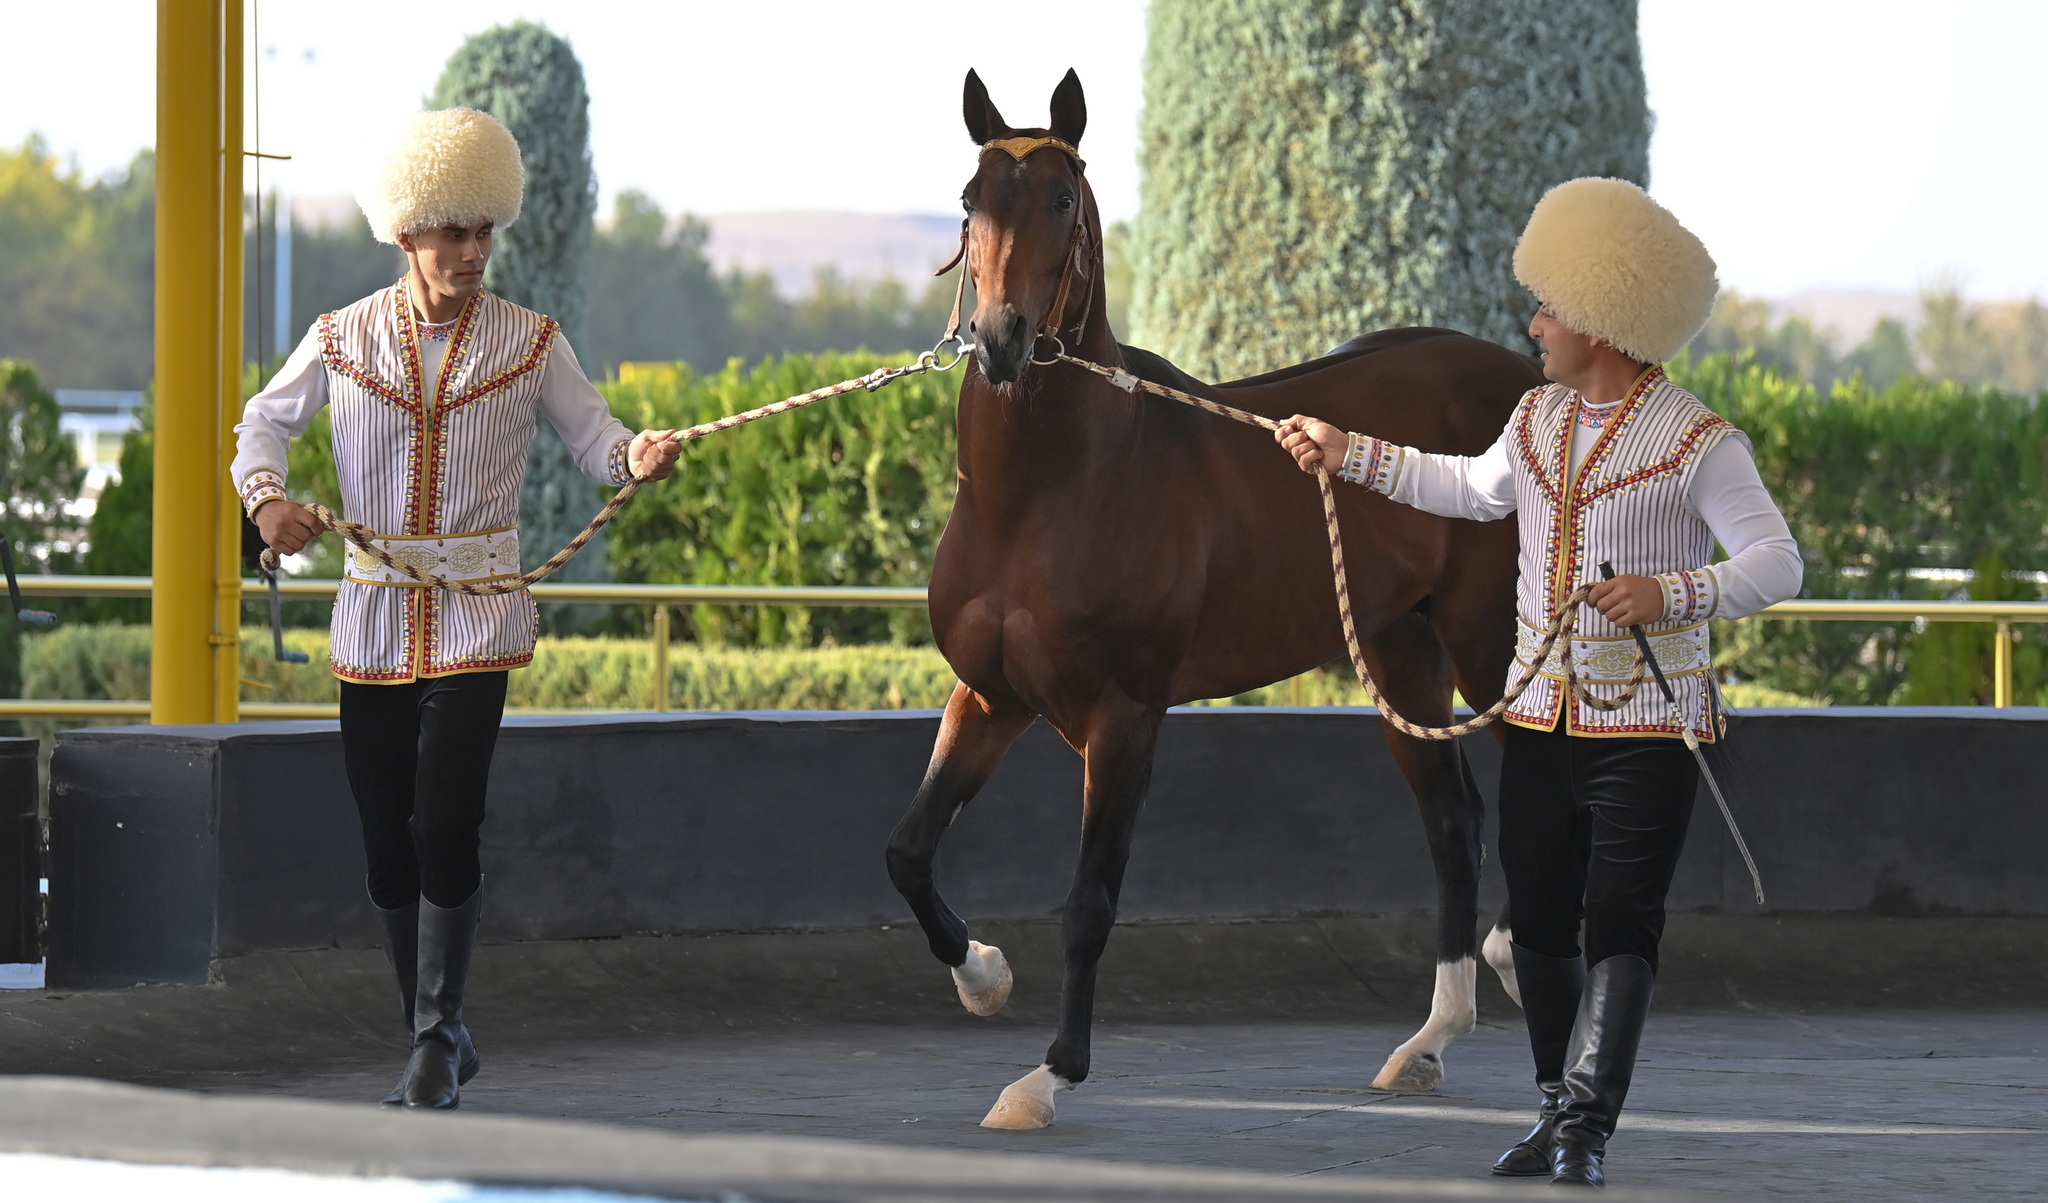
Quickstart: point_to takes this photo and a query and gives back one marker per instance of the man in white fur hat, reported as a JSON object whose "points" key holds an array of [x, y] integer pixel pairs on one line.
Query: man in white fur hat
{"points": [[435, 386], [1612, 462]]}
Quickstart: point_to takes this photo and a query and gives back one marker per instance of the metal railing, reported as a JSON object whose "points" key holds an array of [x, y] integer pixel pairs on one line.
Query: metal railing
{"points": [[2003, 616]]}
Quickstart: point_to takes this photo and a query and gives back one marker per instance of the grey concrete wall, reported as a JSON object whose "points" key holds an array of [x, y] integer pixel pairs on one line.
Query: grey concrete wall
{"points": [[174, 846]]}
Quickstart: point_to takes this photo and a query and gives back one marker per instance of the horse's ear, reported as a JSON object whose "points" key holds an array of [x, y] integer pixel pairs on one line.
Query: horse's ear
{"points": [[983, 122], [1069, 110]]}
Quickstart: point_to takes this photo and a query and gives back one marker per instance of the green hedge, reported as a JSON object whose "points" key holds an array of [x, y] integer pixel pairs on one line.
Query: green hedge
{"points": [[1874, 483], [614, 674], [850, 491], [112, 661]]}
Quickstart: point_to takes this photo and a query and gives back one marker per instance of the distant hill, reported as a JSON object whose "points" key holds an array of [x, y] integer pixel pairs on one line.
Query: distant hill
{"points": [[793, 245]]}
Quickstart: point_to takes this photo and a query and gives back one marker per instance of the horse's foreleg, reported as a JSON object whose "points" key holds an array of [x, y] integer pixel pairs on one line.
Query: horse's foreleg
{"points": [[972, 739], [1119, 755], [1418, 678]]}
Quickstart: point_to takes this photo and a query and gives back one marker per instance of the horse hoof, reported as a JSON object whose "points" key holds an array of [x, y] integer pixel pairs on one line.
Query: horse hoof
{"points": [[1027, 1102], [1411, 1073], [984, 980]]}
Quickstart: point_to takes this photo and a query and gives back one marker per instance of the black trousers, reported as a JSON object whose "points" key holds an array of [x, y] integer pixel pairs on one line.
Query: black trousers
{"points": [[419, 760], [1590, 832]]}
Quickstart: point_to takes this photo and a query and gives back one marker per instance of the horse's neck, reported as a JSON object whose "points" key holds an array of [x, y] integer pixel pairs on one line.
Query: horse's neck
{"points": [[1058, 421]]}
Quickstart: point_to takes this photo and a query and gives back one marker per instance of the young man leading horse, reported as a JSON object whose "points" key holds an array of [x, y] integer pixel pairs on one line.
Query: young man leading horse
{"points": [[435, 387], [1609, 462]]}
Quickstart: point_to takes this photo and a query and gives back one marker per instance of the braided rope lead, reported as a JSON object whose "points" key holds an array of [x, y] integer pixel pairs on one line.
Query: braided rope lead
{"points": [[1561, 626], [369, 540]]}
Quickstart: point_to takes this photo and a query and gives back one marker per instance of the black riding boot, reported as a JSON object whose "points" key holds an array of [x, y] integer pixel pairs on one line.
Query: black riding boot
{"points": [[443, 1056], [1599, 1064], [401, 927], [1551, 987]]}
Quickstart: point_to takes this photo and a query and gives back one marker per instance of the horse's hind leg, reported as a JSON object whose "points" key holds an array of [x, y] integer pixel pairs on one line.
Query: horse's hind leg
{"points": [[1499, 951], [1416, 677], [973, 736], [1481, 642], [1119, 749]]}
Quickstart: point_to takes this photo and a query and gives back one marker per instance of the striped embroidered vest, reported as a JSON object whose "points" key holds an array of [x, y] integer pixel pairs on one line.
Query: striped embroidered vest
{"points": [[1626, 504], [437, 465]]}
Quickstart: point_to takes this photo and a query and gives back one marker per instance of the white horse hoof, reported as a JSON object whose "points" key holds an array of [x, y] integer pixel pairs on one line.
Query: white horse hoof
{"points": [[984, 982], [1499, 951], [1411, 1072], [1027, 1102]]}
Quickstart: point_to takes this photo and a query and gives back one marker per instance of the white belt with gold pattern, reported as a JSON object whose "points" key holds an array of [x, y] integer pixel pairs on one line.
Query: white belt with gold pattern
{"points": [[475, 556], [1612, 660]]}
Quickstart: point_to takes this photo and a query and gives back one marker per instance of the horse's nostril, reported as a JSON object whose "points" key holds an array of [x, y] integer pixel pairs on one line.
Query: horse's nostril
{"points": [[1017, 326]]}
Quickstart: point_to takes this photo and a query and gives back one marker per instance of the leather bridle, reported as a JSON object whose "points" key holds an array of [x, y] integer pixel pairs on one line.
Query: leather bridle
{"points": [[1082, 253]]}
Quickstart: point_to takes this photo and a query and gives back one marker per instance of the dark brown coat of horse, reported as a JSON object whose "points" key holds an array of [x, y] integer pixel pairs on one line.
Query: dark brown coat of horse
{"points": [[1111, 555]]}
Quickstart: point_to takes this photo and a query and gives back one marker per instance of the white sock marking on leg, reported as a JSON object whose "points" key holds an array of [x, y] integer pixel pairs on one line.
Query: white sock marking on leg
{"points": [[1499, 951]]}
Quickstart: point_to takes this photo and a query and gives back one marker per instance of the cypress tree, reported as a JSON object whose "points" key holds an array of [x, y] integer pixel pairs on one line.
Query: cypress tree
{"points": [[530, 79], [1317, 171]]}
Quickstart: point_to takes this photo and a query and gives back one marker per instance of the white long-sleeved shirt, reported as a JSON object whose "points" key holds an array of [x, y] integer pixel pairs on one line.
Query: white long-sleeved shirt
{"points": [[432, 426], [288, 404]]}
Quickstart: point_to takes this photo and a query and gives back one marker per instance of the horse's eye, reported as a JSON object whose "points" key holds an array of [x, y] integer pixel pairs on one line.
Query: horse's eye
{"points": [[1063, 204]]}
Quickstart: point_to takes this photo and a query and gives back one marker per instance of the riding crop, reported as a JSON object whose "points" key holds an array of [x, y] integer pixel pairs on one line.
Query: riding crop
{"points": [[1692, 742]]}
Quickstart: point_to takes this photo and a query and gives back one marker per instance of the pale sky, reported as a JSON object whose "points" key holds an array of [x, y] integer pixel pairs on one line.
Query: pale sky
{"points": [[1811, 143]]}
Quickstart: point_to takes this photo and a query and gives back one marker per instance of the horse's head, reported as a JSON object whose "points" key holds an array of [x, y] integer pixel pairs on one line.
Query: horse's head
{"points": [[1032, 236]]}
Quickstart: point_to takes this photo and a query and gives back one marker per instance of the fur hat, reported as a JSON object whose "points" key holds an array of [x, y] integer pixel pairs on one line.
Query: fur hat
{"points": [[1612, 263], [450, 167]]}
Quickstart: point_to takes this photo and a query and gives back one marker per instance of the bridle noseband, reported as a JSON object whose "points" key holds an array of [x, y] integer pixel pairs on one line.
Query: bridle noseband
{"points": [[1080, 250]]}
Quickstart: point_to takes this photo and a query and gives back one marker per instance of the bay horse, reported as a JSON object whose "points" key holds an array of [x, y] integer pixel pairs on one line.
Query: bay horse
{"points": [[1112, 554]]}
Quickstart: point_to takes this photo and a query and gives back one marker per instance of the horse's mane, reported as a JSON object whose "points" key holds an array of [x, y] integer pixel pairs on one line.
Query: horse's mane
{"points": [[1153, 367]]}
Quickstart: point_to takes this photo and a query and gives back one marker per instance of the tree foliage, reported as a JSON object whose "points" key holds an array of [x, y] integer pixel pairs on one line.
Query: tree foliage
{"points": [[40, 472], [77, 269], [1314, 172], [530, 79]]}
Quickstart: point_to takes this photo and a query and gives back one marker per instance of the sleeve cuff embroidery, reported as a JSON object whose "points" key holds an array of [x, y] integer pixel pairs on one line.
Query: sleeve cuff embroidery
{"points": [[1370, 462], [1690, 596], [260, 486], [619, 463]]}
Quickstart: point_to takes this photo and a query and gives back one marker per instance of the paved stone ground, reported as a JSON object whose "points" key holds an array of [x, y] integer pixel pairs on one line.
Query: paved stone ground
{"points": [[1831, 1106]]}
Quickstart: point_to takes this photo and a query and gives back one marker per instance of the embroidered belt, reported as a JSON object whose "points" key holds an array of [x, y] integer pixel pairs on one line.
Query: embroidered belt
{"points": [[487, 555], [1611, 660]]}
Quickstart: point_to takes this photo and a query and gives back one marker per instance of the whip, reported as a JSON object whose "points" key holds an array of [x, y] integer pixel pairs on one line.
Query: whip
{"points": [[1692, 743]]}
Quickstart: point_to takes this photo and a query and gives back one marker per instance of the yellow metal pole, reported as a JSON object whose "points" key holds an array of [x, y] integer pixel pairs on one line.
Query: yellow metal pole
{"points": [[227, 569], [190, 66], [2001, 665], [660, 659]]}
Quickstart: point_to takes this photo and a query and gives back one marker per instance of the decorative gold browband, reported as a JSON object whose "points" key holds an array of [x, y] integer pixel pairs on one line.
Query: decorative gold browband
{"points": [[485, 555], [1612, 660], [1017, 148]]}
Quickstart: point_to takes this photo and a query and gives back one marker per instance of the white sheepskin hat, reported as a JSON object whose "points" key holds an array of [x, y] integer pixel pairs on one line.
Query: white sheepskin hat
{"points": [[1612, 263], [451, 167]]}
